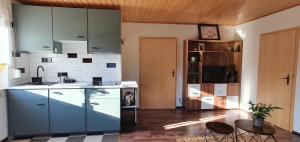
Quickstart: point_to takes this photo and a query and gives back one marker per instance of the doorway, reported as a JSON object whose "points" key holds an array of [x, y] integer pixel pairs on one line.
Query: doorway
{"points": [[276, 77], [158, 60]]}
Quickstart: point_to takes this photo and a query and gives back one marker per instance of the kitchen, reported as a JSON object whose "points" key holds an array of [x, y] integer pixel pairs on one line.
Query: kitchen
{"points": [[67, 75]]}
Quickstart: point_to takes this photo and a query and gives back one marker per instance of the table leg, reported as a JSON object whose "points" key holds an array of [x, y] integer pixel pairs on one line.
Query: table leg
{"points": [[274, 138], [235, 132]]}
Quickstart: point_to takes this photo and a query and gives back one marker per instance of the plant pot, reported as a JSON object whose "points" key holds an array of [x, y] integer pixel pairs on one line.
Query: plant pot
{"points": [[258, 122]]}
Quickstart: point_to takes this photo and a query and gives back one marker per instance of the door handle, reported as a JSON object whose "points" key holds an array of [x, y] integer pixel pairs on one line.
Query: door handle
{"points": [[173, 73], [287, 79]]}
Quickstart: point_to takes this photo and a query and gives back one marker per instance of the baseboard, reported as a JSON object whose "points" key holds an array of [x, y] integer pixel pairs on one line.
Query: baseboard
{"points": [[4, 140], [296, 133]]}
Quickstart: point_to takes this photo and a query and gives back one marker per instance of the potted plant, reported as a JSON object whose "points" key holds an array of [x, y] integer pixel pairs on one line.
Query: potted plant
{"points": [[260, 112]]}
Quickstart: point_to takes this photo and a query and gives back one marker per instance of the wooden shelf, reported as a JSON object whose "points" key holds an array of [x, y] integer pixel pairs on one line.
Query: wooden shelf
{"points": [[129, 107], [220, 52], [213, 56], [217, 41]]}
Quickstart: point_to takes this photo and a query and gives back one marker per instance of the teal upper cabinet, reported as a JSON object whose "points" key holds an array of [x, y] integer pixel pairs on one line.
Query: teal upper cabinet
{"points": [[33, 28], [104, 31], [69, 24]]}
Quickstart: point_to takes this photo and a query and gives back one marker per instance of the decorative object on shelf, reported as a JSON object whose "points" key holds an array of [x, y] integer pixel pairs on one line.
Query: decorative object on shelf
{"points": [[260, 112], [237, 49], [129, 99], [229, 48], [209, 32], [193, 59], [201, 45]]}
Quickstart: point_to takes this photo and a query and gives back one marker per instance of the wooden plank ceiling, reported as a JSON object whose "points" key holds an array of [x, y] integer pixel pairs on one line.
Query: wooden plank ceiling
{"points": [[223, 12]]}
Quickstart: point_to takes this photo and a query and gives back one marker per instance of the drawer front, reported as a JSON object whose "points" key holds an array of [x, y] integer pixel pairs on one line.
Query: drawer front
{"points": [[70, 96], [207, 103], [27, 95], [220, 90], [232, 102], [194, 90], [103, 93], [220, 102], [207, 89], [233, 89]]}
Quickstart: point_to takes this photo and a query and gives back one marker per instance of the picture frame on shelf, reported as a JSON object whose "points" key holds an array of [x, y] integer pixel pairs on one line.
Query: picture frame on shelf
{"points": [[209, 32]]}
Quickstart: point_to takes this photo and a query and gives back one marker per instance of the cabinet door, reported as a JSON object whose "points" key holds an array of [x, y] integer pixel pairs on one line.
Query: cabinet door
{"points": [[194, 90], [207, 89], [28, 117], [104, 31], [33, 28], [69, 24], [220, 102], [220, 90], [3, 116], [232, 102], [67, 110], [233, 89], [103, 115], [207, 103], [194, 103]]}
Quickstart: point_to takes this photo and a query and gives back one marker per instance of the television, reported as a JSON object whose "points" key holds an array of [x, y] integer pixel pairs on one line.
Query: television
{"points": [[214, 74]]}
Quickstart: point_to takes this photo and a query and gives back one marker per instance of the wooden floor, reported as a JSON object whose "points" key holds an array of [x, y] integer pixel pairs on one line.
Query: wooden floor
{"points": [[168, 125]]}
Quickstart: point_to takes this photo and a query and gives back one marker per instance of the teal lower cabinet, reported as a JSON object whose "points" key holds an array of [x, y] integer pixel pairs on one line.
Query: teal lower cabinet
{"points": [[28, 115], [67, 110], [103, 115], [63, 111], [103, 110]]}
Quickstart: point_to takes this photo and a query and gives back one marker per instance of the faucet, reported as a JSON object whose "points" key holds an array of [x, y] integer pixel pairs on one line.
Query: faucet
{"points": [[37, 71]]}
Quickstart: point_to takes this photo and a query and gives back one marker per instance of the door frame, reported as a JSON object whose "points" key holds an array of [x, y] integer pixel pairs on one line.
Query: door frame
{"points": [[176, 62], [294, 75]]}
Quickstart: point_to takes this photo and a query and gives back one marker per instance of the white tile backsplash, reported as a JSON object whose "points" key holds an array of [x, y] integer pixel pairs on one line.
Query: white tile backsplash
{"points": [[74, 66]]}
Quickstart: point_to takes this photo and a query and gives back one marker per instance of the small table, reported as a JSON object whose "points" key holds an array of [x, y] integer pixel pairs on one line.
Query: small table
{"points": [[219, 128], [255, 133]]}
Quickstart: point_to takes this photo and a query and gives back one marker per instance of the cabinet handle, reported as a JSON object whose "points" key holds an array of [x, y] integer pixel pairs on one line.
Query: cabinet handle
{"points": [[58, 93], [102, 92], [46, 47], [195, 93], [80, 36], [95, 47], [95, 103], [40, 104]]}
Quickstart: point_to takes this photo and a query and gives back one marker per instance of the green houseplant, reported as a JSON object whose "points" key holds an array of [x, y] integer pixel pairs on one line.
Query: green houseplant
{"points": [[260, 112]]}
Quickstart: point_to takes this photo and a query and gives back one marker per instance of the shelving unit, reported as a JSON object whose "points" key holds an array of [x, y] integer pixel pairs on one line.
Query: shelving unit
{"points": [[129, 108], [212, 73]]}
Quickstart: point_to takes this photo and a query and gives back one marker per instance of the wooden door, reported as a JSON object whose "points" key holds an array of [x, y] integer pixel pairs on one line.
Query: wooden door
{"points": [[277, 60], [158, 73]]}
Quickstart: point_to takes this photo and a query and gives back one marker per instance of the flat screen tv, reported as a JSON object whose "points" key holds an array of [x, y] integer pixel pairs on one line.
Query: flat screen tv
{"points": [[214, 74]]}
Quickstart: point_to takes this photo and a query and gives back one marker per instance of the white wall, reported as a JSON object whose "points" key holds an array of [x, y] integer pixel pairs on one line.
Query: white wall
{"points": [[74, 66], [131, 32], [251, 32]]}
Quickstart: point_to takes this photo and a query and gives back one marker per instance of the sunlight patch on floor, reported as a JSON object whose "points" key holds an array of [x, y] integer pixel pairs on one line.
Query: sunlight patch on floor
{"points": [[187, 123]]}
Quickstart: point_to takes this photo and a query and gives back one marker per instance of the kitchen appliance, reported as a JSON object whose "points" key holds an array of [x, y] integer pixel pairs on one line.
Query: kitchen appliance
{"points": [[97, 80]]}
